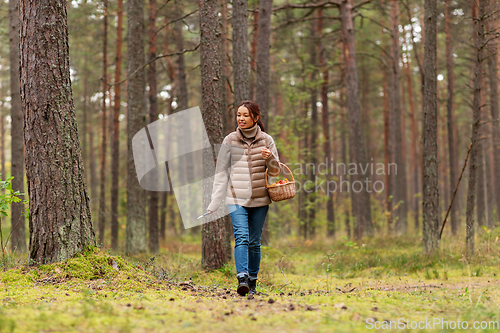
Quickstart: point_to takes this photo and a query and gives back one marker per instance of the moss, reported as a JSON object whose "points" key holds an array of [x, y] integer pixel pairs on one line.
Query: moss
{"points": [[89, 265], [86, 293]]}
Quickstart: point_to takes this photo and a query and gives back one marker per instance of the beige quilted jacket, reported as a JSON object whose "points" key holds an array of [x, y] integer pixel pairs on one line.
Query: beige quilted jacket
{"points": [[246, 168]]}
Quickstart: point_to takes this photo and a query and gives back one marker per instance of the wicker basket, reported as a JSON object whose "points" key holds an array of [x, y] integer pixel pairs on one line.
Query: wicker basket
{"points": [[280, 192]]}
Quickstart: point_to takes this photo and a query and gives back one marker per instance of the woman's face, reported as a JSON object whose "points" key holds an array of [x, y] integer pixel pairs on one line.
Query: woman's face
{"points": [[244, 118]]}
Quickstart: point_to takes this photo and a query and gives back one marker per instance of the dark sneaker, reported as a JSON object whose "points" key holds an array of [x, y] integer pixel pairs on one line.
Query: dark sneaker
{"points": [[252, 284], [243, 288]]}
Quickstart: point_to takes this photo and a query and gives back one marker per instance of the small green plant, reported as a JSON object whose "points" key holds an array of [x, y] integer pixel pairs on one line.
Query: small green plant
{"points": [[350, 243], [228, 270], [7, 197]]}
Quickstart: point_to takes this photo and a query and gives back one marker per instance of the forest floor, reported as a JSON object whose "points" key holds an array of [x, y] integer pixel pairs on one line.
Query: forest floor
{"points": [[381, 284]]}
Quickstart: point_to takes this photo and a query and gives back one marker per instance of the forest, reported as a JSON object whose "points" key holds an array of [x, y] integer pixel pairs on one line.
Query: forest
{"points": [[384, 115]]}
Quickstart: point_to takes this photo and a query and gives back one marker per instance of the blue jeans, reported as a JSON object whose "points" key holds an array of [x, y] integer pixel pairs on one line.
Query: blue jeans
{"points": [[247, 225]]}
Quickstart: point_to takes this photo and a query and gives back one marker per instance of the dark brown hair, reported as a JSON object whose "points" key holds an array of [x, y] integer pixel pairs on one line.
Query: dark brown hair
{"points": [[254, 112]]}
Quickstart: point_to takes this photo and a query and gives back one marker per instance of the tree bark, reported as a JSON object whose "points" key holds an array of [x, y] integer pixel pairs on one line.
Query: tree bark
{"points": [[312, 196], [452, 147], [388, 143], [182, 104], [216, 249], [182, 96], [387, 152], [253, 57], [263, 44], [478, 38], [2, 143], [414, 154], [166, 205], [480, 173], [399, 178], [115, 139], [330, 213], [484, 176], [430, 202], [227, 120], [18, 237], [228, 114], [304, 149], [92, 159], [495, 131], [344, 126], [104, 146], [60, 219], [85, 132], [357, 148], [240, 52], [136, 201], [153, 240]]}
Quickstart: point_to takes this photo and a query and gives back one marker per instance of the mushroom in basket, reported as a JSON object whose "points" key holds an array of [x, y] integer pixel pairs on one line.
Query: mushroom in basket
{"points": [[280, 182]]}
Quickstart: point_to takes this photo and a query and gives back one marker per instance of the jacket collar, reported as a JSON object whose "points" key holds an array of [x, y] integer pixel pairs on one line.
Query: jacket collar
{"points": [[258, 136]]}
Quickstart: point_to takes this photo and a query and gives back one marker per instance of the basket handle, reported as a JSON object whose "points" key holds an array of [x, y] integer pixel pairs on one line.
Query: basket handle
{"points": [[290, 171]]}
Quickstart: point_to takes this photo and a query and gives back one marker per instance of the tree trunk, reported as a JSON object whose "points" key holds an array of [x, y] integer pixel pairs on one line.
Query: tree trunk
{"points": [[115, 140], [153, 240], [478, 38], [495, 131], [18, 237], [304, 147], [60, 219], [136, 200], [357, 148], [166, 205], [344, 126], [387, 152], [444, 175], [312, 206], [330, 216], [2, 142], [216, 249], [388, 144], [102, 184], [228, 113], [262, 77], [399, 177], [240, 52], [484, 175], [182, 96], [92, 159], [85, 137], [489, 175], [253, 57], [227, 120], [430, 193], [182, 104], [414, 155], [480, 174], [452, 146]]}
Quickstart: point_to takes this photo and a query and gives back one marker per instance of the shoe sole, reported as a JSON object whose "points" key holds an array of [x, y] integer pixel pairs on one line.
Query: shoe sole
{"points": [[243, 290]]}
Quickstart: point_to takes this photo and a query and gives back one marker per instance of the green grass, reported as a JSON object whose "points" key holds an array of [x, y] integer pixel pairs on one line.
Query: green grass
{"points": [[311, 286]]}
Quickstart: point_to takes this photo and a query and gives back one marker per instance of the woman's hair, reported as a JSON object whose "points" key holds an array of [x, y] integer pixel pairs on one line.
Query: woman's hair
{"points": [[254, 112]]}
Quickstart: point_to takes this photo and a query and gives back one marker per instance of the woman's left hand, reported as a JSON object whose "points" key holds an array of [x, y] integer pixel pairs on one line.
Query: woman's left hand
{"points": [[266, 153]]}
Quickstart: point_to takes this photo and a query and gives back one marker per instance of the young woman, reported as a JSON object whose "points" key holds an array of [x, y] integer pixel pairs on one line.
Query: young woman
{"points": [[246, 153]]}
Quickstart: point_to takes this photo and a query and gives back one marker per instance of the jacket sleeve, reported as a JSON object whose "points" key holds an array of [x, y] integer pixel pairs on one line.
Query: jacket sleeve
{"points": [[221, 178], [272, 161]]}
